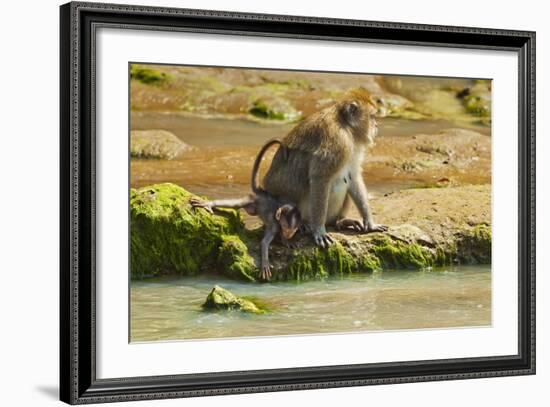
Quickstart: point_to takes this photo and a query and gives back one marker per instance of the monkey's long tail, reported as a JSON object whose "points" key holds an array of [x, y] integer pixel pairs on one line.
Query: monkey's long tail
{"points": [[255, 182]]}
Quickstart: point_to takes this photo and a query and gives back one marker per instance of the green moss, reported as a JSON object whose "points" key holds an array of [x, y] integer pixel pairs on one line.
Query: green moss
{"points": [[320, 263], [337, 260], [274, 109], [477, 99], [445, 257], [222, 299], [474, 245], [477, 105], [368, 263], [306, 266], [167, 236], [148, 76], [398, 254], [234, 259]]}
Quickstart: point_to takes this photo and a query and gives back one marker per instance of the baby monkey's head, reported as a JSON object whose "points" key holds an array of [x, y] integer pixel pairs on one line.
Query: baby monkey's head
{"points": [[289, 219]]}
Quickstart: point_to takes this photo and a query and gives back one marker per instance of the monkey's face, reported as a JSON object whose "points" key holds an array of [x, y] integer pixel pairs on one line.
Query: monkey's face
{"points": [[288, 231], [289, 219]]}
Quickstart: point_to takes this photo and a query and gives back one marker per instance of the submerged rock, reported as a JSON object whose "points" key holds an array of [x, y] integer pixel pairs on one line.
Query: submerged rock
{"points": [[427, 228], [155, 144], [222, 299]]}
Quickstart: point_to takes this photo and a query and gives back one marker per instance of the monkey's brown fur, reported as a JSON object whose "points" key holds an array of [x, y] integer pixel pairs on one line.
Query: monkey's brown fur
{"points": [[320, 166]]}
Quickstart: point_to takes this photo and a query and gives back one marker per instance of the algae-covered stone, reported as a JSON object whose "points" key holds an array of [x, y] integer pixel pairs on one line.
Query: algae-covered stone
{"points": [[314, 263], [167, 236], [155, 144], [478, 103], [477, 100], [148, 75], [222, 299], [474, 244], [234, 259], [274, 108]]}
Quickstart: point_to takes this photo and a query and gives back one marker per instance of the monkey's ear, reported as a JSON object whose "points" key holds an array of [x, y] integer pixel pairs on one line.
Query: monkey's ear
{"points": [[279, 213]]}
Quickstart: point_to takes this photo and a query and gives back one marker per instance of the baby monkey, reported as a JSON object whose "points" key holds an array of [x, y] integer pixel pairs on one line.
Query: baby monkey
{"points": [[280, 218]]}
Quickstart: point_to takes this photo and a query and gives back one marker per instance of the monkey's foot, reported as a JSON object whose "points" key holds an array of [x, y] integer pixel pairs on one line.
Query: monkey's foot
{"points": [[265, 273], [323, 239], [198, 203], [376, 228], [350, 224]]}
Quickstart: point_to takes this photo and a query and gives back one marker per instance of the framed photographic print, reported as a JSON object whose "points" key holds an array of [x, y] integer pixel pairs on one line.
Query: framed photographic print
{"points": [[254, 203]]}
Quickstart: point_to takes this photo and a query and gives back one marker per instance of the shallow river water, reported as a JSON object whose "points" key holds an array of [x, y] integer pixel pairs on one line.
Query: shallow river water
{"points": [[170, 309]]}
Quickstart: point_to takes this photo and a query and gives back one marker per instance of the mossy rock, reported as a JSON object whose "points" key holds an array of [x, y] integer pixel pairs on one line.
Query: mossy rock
{"points": [[274, 108], [168, 236], [474, 245], [160, 144], [477, 99], [478, 104], [222, 299], [234, 259], [147, 75]]}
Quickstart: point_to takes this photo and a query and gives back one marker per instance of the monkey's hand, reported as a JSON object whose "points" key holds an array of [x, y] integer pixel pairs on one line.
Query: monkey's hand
{"points": [[322, 238], [198, 203], [265, 273], [373, 227]]}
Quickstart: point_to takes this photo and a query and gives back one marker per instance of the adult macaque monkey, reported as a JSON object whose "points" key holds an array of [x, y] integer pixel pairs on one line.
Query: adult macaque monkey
{"points": [[320, 169]]}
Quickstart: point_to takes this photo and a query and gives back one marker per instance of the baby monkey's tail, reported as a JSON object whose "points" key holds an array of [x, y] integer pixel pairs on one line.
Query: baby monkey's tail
{"points": [[255, 182]]}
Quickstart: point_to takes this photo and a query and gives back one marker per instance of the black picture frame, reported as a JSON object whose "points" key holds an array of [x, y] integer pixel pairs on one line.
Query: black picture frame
{"points": [[78, 382]]}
